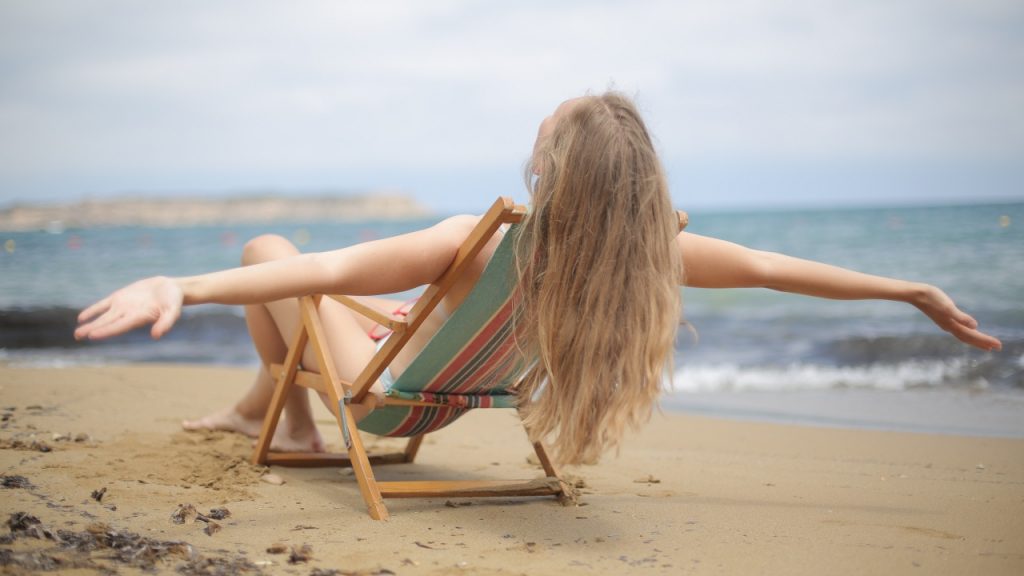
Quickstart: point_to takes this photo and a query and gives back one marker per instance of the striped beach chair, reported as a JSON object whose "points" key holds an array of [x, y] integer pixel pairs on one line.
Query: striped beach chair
{"points": [[465, 366]]}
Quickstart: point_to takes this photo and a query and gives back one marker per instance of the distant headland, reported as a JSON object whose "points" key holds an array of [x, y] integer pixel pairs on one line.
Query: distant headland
{"points": [[197, 211]]}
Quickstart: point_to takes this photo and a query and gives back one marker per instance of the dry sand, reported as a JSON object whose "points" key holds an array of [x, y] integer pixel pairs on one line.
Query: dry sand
{"points": [[687, 495]]}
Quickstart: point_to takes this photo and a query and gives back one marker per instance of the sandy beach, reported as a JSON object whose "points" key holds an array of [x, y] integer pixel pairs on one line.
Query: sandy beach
{"points": [[95, 458]]}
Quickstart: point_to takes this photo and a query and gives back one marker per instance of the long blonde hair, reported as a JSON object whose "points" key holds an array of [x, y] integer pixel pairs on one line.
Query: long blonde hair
{"points": [[598, 272]]}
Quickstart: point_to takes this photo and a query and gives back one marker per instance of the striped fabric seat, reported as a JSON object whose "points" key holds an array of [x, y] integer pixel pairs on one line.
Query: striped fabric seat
{"points": [[471, 362]]}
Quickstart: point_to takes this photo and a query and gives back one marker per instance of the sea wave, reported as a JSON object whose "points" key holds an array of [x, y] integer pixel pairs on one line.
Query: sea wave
{"points": [[952, 373], [727, 359]]}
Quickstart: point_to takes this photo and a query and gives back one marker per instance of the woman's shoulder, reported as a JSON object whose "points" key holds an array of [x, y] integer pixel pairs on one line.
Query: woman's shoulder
{"points": [[461, 225], [467, 221], [455, 230]]}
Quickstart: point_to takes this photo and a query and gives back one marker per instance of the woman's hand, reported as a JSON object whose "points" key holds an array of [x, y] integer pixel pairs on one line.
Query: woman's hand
{"points": [[155, 301], [935, 304]]}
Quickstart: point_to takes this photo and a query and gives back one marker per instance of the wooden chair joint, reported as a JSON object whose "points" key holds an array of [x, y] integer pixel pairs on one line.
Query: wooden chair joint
{"points": [[371, 312]]}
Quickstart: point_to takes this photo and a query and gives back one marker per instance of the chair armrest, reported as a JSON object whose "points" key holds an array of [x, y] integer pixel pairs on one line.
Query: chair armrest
{"points": [[371, 312]]}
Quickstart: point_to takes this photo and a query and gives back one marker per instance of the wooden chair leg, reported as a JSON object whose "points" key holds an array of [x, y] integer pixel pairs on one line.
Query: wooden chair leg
{"points": [[542, 455], [282, 387], [413, 447], [363, 472], [270, 421]]}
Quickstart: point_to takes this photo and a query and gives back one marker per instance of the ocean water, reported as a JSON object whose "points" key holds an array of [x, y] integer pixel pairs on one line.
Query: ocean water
{"points": [[733, 341], [765, 340]]}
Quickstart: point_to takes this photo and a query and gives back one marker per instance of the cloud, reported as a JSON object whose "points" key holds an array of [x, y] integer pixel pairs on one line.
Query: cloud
{"points": [[104, 95]]}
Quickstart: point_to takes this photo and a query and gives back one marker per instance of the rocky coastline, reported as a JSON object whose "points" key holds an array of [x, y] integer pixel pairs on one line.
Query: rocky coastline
{"points": [[197, 211]]}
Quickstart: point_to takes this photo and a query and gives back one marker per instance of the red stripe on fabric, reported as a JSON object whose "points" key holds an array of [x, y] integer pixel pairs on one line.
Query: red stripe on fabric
{"points": [[408, 423], [411, 421], [486, 372], [491, 357], [473, 347], [422, 420]]}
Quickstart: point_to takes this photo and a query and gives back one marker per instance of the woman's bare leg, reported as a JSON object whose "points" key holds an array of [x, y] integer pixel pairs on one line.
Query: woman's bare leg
{"points": [[246, 416], [351, 349]]}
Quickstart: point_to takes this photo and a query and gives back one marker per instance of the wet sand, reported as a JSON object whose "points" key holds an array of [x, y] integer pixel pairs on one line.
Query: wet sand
{"points": [[689, 494]]}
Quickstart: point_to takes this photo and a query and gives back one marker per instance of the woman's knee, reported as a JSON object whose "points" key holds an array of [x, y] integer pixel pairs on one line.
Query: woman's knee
{"points": [[267, 247]]}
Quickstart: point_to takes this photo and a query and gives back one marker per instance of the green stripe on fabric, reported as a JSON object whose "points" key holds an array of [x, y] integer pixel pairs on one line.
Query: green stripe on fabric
{"points": [[488, 295]]}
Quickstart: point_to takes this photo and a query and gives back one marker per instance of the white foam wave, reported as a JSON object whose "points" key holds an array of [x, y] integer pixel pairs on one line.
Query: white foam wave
{"points": [[47, 359], [910, 374]]}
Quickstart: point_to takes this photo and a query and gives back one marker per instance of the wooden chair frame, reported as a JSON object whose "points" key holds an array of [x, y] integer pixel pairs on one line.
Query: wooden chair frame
{"points": [[343, 394]]}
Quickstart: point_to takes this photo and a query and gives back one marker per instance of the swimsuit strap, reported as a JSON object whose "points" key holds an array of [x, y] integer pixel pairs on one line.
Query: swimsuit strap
{"points": [[378, 332]]}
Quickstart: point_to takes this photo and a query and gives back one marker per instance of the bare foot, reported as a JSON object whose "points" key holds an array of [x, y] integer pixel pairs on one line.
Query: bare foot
{"points": [[227, 419], [308, 440]]}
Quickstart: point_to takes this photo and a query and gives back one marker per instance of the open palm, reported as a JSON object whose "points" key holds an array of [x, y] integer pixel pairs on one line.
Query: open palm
{"points": [[155, 301]]}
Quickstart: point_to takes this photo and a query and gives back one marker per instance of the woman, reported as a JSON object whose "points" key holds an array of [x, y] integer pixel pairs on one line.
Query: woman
{"points": [[600, 243]]}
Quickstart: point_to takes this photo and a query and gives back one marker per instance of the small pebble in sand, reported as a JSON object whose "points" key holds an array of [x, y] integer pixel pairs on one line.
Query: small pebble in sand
{"points": [[980, 467], [15, 481], [219, 513], [25, 524], [184, 513], [211, 528], [300, 554], [33, 444], [272, 479], [97, 495], [82, 437], [650, 479], [277, 548]]}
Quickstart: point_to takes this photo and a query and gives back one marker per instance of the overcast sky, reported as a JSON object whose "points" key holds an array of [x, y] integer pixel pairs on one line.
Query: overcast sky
{"points": [[752, 103]]}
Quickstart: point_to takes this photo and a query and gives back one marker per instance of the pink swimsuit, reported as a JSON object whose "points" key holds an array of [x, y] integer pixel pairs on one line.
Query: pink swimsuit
{"points": [[378, 332]]}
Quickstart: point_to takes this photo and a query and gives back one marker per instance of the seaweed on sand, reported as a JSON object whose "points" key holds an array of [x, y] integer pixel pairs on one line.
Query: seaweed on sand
{"points": [[99, 541]]}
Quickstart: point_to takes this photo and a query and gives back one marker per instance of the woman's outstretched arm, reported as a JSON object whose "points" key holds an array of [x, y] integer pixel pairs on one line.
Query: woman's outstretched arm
{"points": [[379, 267], [713, 263]]}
